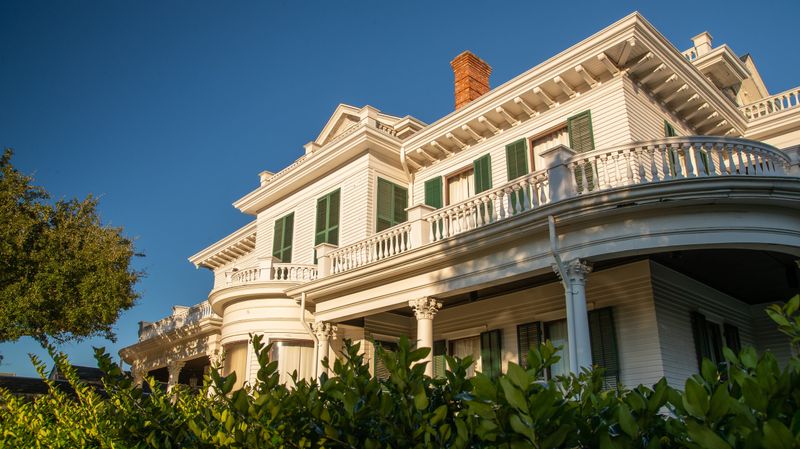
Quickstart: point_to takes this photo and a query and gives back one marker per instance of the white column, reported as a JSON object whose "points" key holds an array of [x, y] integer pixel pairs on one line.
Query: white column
{"points": [[325, 332], [425, 309], [580, 346], [174, 368]]}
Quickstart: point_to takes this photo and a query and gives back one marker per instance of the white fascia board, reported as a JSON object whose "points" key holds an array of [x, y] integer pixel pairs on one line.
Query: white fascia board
{"points": [[691, 75], [321, 163], [232, 239]]}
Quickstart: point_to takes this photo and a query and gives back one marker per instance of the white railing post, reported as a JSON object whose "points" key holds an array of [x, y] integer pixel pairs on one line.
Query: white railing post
{"points": [[265, 268], [324, 262], [420, 228], [558, 172]]}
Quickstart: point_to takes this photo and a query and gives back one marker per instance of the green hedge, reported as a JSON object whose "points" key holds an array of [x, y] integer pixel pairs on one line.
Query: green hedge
{"points": [[748, 403]]}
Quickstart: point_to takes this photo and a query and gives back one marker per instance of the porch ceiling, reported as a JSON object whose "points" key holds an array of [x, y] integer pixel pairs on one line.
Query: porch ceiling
{"points": [[754, 277]]}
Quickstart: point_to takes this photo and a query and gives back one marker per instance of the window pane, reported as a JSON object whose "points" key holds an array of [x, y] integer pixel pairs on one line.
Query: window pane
{"points": [[294, 356], [464, 347], [459, 187], [557, 334], [235, 362]]}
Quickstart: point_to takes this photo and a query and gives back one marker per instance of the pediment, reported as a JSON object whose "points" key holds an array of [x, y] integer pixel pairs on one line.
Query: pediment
{"points": [[343, 118]]}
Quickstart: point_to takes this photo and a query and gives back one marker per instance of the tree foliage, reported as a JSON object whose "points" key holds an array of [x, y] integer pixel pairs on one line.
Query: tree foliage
{"points": [[749, 402], [64, 275]]}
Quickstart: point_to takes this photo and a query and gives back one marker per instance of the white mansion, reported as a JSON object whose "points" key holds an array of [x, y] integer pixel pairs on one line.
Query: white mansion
{"points": [[636, 204]]}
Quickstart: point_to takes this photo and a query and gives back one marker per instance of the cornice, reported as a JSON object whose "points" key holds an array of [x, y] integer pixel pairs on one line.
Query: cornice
{"points": [[318, 164], [245, 234]]}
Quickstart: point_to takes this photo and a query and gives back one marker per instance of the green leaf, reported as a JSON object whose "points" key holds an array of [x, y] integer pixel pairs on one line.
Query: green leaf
{"points": [[518, 376], [695, 399], [777, 436], [705, 437], [720, 402], [439, 414], [513, 395], [749, 357], [518, 426], [421, 400], [626, 421]]}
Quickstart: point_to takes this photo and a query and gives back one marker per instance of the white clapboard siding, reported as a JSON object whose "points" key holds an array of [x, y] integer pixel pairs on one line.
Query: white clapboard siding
{"points": [[352, 179], [767, 336], [606, 104], [676, 296], [646, 116], [626, 288]]}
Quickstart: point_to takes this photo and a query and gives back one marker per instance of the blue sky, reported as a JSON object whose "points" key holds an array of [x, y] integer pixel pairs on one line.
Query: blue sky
{"points": [[168, 110]]}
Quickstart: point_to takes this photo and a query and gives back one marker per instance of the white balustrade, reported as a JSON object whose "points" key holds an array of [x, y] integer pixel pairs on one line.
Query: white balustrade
{"points": [[387, 243], [186, 317], [246, 275], [518, 196], [773, 104], [675, 158], [293, 272]]}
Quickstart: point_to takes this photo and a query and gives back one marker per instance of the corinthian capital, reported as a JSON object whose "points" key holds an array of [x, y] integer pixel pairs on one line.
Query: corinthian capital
{"points": [[575, 270], [425, 308], [325, 331]]}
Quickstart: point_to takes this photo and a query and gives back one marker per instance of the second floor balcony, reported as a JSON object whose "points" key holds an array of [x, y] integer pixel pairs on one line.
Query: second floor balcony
{"points": [[568, 176]]}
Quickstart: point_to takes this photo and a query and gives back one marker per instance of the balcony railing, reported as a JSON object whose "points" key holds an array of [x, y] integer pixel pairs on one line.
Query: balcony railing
{"points": [[672, 159], [179, 319], [516, 197], [568, 175], [384, 244], [773, 104], [267, 271]]}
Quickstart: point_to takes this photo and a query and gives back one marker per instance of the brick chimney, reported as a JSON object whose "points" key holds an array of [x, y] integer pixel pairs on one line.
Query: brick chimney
{"points": [[472, 77]]}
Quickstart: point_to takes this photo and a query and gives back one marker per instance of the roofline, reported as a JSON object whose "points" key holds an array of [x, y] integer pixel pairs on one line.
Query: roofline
{"points": [[223, 243], [633, 25]]}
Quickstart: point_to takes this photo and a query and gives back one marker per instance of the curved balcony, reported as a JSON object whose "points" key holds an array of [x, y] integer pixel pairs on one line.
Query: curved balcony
{"points": [[181, 317], [568, 176], [268, 271]]}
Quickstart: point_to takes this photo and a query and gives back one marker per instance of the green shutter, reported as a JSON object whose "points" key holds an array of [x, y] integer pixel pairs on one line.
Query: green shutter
{"points": [[433, 192], [327, 229], [529, 336], [439, 362], [604, 344], [669, 130], [282, 238], [580, 132], [391, 206], [491, 353], [482, 173], [700, 334], [516, 159], [732, 339]]}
